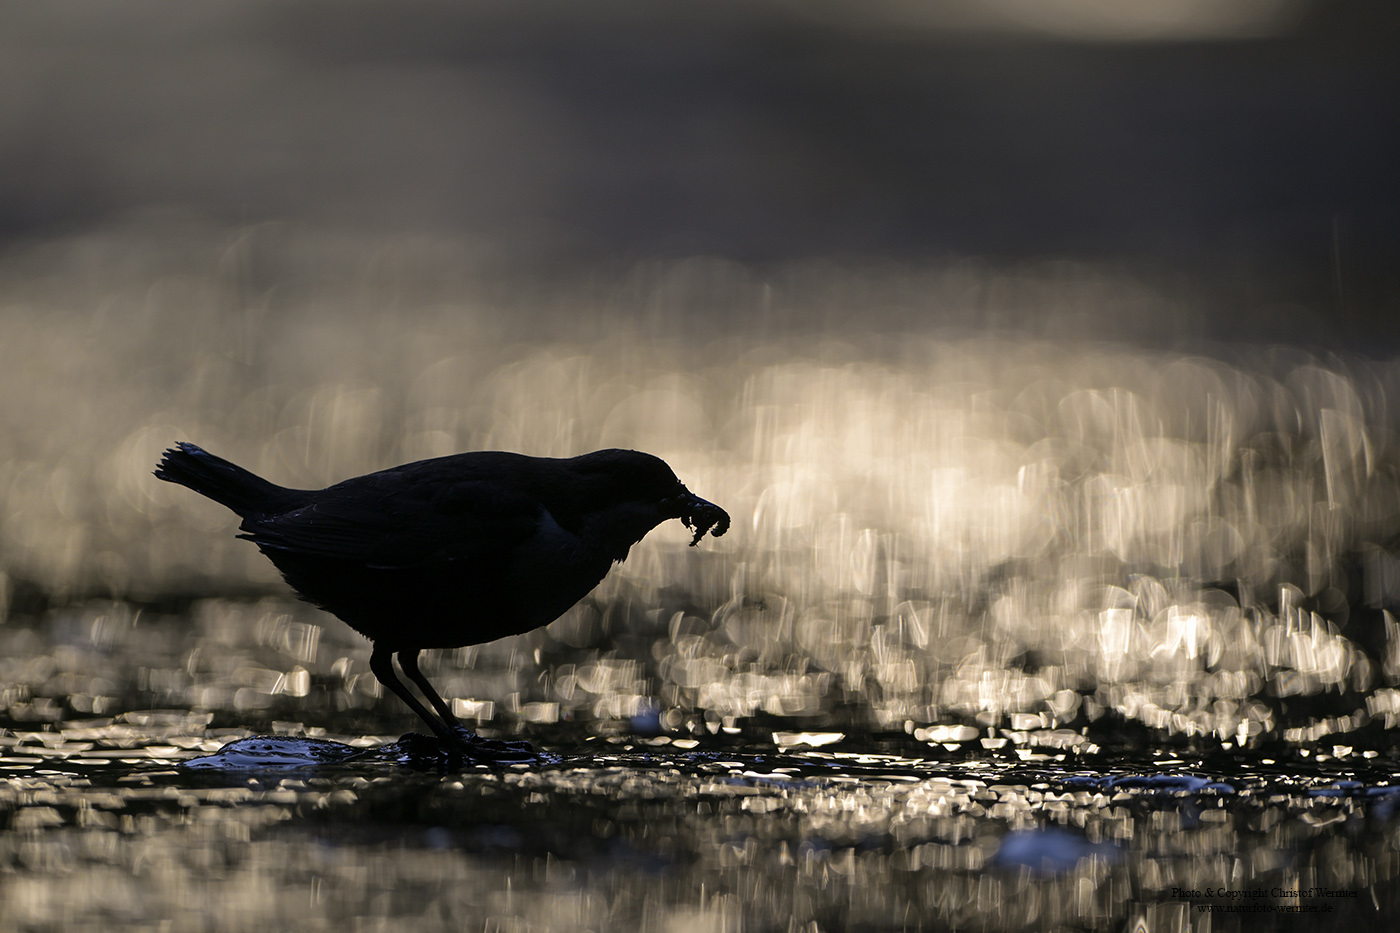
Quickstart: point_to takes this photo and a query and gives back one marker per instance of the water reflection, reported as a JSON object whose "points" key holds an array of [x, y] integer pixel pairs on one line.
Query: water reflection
{"points": [[619, 831]]}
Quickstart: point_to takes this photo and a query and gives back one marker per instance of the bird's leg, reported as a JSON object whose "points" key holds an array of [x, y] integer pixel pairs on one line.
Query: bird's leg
{"points": [[408, 660], [461, 737], [382, 665]]}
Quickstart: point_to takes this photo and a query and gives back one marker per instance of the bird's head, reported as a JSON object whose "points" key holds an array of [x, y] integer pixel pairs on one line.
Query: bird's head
{"points": [[634, 492]]}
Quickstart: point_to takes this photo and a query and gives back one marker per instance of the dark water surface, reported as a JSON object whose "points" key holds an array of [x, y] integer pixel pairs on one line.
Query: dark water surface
{"points": [[106, 825], [650, 821]]}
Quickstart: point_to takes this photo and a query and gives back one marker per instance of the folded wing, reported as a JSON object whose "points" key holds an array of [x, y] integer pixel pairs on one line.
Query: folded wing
{"points": [[403, 525]]}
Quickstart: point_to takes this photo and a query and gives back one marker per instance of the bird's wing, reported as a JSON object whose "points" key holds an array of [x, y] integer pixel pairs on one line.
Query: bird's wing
{"points": [[404, 527]]}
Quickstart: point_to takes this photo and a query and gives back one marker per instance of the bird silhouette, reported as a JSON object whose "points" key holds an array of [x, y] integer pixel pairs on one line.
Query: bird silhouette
{"points": [[452, 551]]}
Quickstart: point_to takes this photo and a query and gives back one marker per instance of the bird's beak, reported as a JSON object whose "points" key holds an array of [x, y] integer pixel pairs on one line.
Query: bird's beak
{"points": [[701, 516]]}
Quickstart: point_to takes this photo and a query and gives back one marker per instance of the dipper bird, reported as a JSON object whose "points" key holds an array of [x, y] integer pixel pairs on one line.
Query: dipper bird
{"points": [[451, 551]]}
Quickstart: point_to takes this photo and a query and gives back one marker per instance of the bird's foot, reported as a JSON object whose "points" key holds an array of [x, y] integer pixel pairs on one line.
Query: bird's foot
{"points": [[464, 748], [497, 750]]}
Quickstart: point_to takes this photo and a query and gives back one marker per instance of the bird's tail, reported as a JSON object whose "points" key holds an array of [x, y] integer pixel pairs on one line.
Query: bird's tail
{"points": [[226, 483]]}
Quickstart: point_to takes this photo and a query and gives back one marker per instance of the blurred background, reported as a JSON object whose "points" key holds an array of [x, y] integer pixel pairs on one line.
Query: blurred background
{"points": [[1042, 352], [1244, 148]]}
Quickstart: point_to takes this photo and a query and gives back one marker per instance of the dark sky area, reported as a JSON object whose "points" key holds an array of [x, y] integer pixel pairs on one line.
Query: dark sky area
{"points": [[1267, 154]]}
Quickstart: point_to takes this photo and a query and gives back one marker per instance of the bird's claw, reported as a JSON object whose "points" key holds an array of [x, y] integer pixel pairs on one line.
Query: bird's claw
{"points": [[494, 750], [465, 747]]}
